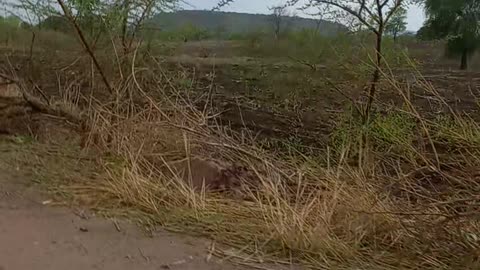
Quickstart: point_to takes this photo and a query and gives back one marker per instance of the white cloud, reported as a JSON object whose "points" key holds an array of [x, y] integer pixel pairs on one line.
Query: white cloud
{"points": [[415, 18]]}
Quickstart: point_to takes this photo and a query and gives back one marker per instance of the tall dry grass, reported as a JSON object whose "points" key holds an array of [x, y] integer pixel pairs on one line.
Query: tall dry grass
{"points": [[419, 211]]}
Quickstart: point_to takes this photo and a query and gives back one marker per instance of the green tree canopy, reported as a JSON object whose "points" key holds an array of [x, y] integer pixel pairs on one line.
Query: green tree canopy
{"points": [[457, 21], [398, 23]]}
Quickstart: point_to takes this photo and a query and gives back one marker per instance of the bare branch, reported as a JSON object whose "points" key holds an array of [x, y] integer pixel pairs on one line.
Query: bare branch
{"points": [[69, 16], [222, 3], [363, 7], [397, 5], [351, 12]]}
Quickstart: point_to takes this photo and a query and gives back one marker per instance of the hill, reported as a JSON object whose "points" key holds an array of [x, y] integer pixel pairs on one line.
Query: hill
{"points": [[231, 22]]}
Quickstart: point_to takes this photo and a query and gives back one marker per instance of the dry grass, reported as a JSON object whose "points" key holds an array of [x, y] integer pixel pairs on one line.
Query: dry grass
{"points": [[389, 213], [405, 207]]}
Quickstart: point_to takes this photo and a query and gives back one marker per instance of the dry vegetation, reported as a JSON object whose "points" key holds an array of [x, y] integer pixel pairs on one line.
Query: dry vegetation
{"points": [[399, 193]]}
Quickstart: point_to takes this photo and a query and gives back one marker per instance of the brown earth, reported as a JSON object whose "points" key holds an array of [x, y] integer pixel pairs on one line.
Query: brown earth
{"points": [[272, 98], [36, 235]]}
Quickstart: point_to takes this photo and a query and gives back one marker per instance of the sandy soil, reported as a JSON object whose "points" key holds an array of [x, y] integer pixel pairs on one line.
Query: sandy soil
{"points": [[38, 236]]}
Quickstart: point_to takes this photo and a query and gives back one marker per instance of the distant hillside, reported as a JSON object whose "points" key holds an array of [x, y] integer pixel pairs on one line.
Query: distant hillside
{"points": [[230, 22]]}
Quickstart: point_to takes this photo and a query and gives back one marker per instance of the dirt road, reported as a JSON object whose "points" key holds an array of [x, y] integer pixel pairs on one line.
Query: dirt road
{"points": [[42, 237]]}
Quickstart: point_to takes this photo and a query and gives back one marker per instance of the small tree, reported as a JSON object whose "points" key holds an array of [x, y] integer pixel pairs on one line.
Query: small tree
{"points": [[319, 15], [121, 18], [457, 21], [30, 11], [374, 15], [277, 19], [398, 23]]}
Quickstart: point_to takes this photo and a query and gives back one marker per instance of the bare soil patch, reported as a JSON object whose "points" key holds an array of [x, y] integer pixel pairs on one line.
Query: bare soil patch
{"points": [[36, 235]]}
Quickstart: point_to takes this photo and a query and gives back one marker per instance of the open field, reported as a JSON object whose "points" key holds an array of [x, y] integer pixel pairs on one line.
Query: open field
{"points": [[278, 96], [258, 148]]}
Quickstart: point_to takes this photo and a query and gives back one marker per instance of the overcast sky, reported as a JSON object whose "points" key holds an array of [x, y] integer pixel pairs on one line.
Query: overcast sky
{"points": [[415, 14]]}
